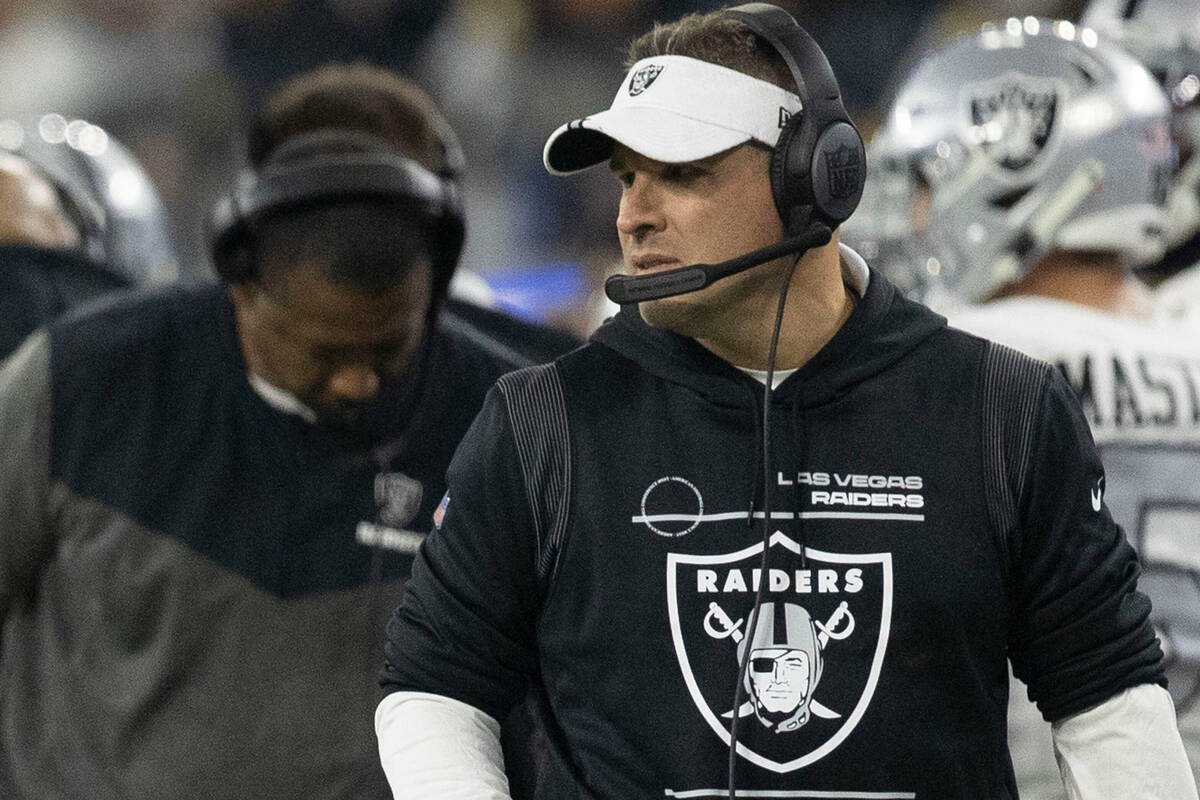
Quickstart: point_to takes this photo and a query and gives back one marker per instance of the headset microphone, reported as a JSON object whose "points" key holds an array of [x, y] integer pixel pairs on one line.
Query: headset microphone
{"points": [[624, 289]]}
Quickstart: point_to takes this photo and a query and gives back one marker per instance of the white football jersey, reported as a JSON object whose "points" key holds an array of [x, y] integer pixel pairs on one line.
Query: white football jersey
{"points": [[1139, 385], [1178, 297]]}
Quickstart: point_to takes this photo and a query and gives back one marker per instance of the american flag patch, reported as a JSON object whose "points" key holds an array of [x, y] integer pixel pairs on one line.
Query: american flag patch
{"points": [[439, 513]]}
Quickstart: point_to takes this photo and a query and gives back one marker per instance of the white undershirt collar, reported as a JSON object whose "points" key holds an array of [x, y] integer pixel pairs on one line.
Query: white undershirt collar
{"points": [[856, 276], [279, 399]]}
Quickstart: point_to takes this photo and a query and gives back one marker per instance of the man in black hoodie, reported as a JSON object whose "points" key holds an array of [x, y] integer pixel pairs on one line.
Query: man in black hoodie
{"points": [[815, 593]]}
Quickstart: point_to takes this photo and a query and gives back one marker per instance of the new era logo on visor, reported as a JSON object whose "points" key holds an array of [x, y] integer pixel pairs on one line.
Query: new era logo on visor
{"points": [[641, 80]]}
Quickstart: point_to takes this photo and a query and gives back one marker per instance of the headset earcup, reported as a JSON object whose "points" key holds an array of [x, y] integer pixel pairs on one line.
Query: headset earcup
{"points": [[789, 175], [234, 264], [237, 264], [449, 236], [449, 233], [229, 241], [837, 172], [822, 179]]}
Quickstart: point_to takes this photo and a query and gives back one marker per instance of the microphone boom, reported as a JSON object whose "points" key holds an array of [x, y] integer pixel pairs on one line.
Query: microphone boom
{"points": [[624, 289]]}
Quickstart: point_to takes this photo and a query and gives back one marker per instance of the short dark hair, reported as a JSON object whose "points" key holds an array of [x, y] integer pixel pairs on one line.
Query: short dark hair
{"points": [[362, 244], [717, 38], [358, 97]]}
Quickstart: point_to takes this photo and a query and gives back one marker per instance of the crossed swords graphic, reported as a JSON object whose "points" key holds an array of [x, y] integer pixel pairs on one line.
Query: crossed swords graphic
{"points": [[733, 630]]}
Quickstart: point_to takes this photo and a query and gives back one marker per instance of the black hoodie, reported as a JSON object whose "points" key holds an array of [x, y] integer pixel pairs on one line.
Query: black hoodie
{"points": [[934, 513]]}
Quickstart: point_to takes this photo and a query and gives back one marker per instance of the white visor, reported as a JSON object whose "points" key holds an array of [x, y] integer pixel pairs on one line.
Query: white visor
{"points": [[674, 109]]}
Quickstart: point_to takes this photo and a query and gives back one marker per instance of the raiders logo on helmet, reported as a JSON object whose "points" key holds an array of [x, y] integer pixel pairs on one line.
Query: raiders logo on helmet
{"points": [[1013, 118]]}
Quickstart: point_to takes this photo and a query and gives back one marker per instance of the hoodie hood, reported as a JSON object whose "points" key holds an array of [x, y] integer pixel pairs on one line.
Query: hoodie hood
{"points": [[881, 330]]}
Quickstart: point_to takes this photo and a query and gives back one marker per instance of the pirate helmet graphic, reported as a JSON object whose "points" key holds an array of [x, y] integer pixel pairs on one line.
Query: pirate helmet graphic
{"points": [[785, 665]]}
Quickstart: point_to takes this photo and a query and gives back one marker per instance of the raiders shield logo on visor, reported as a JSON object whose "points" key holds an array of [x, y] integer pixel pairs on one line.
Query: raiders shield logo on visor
{"points": [[642, 79]]}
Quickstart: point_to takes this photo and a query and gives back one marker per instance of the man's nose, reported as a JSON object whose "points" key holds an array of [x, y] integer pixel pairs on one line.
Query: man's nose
{"points": [[354, 382], [640, 211]]}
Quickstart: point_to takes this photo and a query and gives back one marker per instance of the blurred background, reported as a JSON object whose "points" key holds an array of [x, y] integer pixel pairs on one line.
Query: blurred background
{"points": [[176, 80]]}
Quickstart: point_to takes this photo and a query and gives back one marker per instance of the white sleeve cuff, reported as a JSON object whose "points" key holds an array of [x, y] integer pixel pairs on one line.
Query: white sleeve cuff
{"points": [[436, 747], [1127, 747]]}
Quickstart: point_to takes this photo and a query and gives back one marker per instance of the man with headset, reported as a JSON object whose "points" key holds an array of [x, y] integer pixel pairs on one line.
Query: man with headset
{"points": [[210, 497], [812, 593]]}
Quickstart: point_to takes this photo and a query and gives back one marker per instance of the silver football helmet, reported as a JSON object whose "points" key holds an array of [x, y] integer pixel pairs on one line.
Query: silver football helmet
{"points": [[1027, 137], [881, 228], [107, 194], [1165, 36]]}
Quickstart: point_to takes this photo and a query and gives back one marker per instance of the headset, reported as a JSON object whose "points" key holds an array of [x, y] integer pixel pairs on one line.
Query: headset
{"points": [[818, 164], [329, 165]]}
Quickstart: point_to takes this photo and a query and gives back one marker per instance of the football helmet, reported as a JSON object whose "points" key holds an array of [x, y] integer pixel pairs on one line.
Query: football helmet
{"points": [[881, 228], [1028, 137], [1165, 36], [104, 191]]}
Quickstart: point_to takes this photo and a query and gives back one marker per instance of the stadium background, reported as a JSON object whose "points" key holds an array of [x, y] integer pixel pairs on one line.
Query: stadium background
{"points": [[176, 80]]}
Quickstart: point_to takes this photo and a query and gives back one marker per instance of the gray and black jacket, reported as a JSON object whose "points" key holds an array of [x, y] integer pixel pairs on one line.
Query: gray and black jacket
{"points": [[933, 514], [193, 584]]}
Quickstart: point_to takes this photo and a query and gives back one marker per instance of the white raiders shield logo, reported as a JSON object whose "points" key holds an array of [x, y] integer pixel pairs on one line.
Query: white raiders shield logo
{"points": [[398, 497], [815, 655], [1013, 117]]}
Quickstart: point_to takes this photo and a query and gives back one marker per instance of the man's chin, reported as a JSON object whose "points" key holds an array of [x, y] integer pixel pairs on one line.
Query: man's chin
{"points": [[363, 426], [673, 313]]}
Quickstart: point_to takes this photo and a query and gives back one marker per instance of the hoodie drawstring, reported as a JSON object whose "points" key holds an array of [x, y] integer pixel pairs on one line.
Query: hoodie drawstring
{"points": [[756, 462], [799, 429], [765, 438]]}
